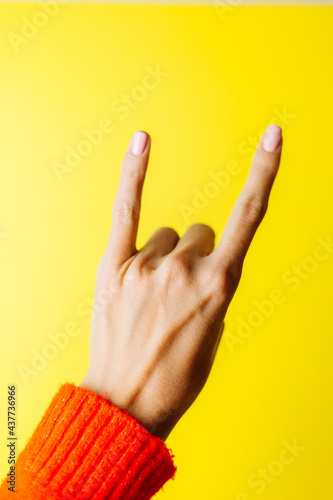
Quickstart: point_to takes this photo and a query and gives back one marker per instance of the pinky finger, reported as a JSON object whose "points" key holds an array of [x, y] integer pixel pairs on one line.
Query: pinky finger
{"points": [[251, 204]]}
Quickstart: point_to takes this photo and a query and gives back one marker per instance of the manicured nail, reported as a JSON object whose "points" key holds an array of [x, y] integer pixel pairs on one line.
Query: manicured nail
{"points": [[272, 138], [139, 143]]}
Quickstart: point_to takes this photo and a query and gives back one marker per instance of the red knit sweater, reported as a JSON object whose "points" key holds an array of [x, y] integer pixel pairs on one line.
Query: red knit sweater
{"points": [[88, 449]]}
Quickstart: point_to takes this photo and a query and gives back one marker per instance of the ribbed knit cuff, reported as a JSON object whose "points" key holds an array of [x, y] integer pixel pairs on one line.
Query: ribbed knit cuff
{"points": [[88, 449]]}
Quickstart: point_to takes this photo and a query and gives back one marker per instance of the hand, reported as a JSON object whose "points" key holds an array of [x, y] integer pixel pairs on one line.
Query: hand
{"points": [[158, 313]]}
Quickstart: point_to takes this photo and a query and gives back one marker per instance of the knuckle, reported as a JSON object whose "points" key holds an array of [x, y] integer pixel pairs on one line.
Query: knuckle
{"points": [[106, 274], [166, 229], [142, 267], [103, 265], [203, 231], [263, 166], [230, 277], [166, 232], [179, 265], [253, 209], [224, 280], [132, 169], [202, 227], [126, 212]]}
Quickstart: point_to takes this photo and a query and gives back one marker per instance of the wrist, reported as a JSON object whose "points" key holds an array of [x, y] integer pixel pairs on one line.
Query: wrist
{"points": [[160, 426]]}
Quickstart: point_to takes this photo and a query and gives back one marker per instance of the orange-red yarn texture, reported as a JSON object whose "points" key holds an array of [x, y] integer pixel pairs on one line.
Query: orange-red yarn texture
{"points": [[88, 449]]}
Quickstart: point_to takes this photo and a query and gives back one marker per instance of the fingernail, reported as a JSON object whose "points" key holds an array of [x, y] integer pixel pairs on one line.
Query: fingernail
{"points": [[139, 143], [272, 138]]}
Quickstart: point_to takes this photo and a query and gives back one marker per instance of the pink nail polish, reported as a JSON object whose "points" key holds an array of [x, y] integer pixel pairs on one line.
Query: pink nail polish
{"points": [[139, 143], [272, 138]]}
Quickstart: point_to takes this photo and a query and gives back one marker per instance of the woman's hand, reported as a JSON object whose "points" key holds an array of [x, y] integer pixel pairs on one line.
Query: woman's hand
{"points": [[158, 313]]}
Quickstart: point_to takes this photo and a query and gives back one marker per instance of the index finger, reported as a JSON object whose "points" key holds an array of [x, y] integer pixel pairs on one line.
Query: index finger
{"points": [[251, 204], [126, 207]]}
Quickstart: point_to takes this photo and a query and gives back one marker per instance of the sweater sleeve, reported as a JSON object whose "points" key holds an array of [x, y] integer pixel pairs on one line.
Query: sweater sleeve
{"points": [[88, 449]]}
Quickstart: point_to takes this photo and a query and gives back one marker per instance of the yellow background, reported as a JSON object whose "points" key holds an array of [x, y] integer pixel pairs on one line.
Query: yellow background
{"points": [[229, 75]]}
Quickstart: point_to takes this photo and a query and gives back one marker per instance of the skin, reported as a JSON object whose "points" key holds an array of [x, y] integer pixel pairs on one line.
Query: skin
{"points": [[159, 311]]}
